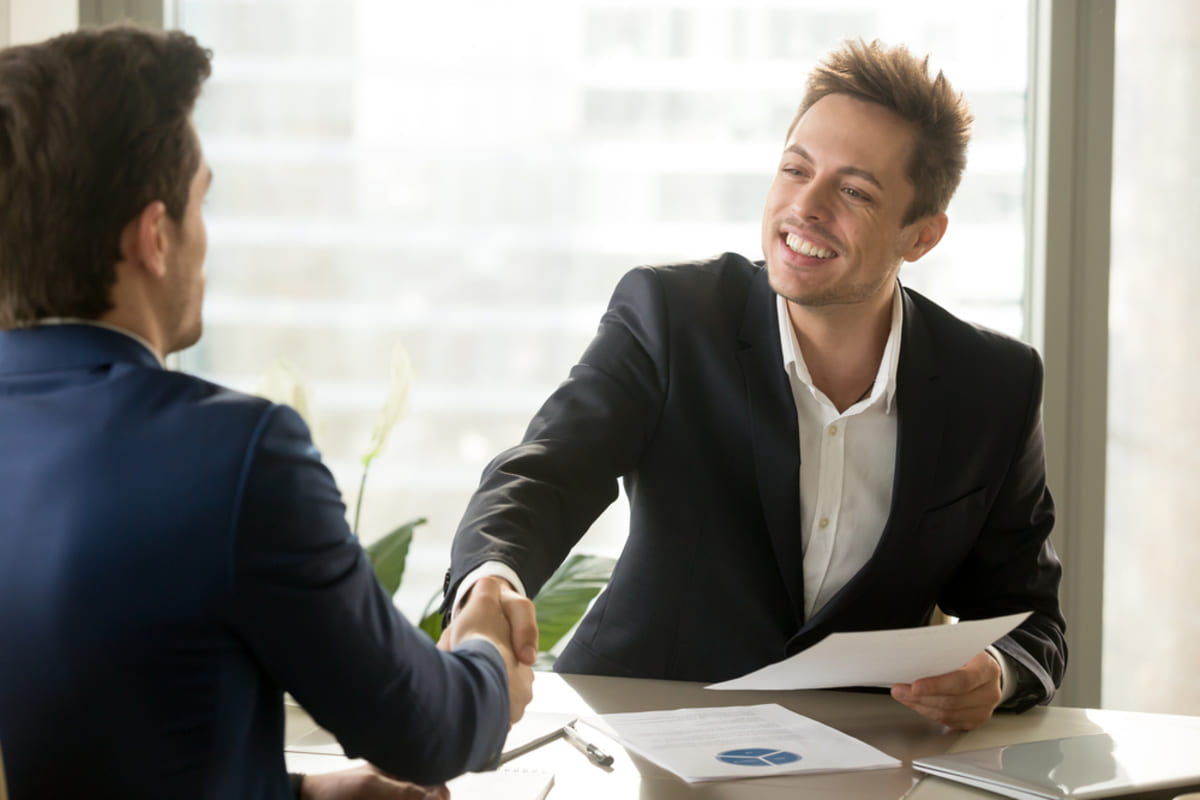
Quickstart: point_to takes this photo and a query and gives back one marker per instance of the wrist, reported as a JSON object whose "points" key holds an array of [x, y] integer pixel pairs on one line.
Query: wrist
{"points": [[485, 570]]}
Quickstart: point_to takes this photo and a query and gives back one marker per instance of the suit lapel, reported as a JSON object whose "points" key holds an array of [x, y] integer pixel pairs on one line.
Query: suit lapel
{"points": [[921, 405], [774, 435]]}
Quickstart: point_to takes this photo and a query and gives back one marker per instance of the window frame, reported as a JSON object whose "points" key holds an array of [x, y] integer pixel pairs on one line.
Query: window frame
{"points": [[1069, 208]]}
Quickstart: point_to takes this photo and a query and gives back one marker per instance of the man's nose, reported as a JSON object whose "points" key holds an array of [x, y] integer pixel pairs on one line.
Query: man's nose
{"points": [[812, 200]]}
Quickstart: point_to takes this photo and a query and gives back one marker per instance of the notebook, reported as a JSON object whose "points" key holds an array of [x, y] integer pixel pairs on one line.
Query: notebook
{"points": [[1093, 766]]}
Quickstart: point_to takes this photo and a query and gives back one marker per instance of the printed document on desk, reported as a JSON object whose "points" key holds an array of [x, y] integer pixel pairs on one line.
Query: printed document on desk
{"points": [[879, 658], [707, 744]]}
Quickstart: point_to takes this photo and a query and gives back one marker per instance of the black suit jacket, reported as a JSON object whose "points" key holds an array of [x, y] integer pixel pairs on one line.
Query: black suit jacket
{"points": [[683, 394]]}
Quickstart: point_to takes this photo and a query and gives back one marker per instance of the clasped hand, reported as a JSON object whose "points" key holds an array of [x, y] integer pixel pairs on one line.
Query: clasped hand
{"points": [[495, 612]]}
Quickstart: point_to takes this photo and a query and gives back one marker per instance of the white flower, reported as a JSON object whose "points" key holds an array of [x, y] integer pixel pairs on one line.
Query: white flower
{"points": [[282, 384], [395, 404]]}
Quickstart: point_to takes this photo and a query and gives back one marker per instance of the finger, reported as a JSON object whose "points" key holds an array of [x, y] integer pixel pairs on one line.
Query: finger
{"points": [[952, 683], [980, 671], [522, 619], [964, 711], [964, 718], [486, 590], [390, 789], [520, 691], [985, 695]]}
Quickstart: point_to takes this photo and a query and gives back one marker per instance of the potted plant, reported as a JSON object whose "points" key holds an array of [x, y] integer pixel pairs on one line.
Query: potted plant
{"points": [[563, 599]]}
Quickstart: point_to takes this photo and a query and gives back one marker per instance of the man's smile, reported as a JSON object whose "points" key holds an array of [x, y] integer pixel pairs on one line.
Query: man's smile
{"points": [[806, 248]]}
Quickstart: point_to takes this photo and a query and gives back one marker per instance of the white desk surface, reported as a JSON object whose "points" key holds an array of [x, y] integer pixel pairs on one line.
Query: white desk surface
{"points": [[874, 718]]}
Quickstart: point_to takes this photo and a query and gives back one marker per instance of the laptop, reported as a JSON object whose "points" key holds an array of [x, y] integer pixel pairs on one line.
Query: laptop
{"points": [[1115, 764]]}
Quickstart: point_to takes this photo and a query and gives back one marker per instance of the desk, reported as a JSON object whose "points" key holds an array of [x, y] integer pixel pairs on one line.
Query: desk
{"points": [[873, 718]]}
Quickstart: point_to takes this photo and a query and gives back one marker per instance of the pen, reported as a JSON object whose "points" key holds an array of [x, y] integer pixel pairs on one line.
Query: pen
{"points": [[594, 754], [509, 755]]}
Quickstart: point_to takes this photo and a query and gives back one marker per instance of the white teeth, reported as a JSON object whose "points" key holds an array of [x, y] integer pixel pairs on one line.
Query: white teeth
{"points": [[798, 245]]}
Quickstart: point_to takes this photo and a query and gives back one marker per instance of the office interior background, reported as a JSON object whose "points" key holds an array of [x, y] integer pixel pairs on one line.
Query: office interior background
{"points": [[470, 179]]}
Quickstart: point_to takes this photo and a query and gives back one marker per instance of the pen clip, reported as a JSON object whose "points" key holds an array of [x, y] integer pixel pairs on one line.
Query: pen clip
{"points": [[593, 753]]}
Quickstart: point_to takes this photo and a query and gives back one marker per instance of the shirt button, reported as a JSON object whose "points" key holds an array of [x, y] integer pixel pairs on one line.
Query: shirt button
{"points": [[833, 430], [824, 523]]}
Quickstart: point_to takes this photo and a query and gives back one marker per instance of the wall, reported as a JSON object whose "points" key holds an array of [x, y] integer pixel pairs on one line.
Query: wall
{"points": [[1152, 571], [34, 20]]}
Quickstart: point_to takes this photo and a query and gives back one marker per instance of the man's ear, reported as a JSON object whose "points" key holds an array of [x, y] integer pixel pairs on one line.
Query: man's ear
{"points": [[144, 241], [929, 231]]}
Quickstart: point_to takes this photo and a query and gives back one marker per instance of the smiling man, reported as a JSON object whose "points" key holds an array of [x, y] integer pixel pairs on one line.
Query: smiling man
{"points": [[807, 446]]}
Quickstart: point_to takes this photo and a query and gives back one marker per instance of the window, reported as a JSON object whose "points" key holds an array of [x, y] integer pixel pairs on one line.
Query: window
{"points": [[473, 178], [1152, 549]]}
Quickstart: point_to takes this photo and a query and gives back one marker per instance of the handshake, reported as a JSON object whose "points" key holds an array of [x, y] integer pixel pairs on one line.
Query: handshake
{"points": [[492, 610]]}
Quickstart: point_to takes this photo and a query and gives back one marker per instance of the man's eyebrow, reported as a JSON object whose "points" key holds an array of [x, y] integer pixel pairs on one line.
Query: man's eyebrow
{"points": [[858, 172]]}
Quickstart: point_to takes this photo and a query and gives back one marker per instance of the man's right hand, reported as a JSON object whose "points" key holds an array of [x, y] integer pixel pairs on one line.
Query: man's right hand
{"points": [[495, 612]]}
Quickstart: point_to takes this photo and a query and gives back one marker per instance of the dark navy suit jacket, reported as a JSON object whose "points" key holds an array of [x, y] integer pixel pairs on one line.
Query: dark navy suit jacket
{"points": [[683, 394], [174, 556]]}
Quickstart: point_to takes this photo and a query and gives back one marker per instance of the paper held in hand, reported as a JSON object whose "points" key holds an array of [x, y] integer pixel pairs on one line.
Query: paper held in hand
{"points": [[706, 744], [879, 658]]}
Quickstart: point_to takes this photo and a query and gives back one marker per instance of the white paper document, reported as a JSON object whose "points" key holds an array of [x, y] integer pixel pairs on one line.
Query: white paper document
{"points": [[879, 658], [707, 744]]}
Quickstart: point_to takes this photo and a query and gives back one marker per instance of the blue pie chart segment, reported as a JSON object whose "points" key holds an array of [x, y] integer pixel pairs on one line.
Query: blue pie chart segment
{"points": [[758, 757]]}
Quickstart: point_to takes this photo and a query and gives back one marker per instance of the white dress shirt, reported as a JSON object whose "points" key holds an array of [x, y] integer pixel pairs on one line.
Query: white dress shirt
{"points": [[847, 463]]}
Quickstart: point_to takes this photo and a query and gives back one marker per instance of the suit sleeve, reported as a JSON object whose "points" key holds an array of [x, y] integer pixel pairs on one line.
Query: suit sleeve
{"points": [[1013, 566], [308, 605], [537, 499]]}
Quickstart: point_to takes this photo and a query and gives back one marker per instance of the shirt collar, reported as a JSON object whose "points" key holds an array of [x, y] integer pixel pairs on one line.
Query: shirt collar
{"points": [[97, 324], [885, 377]]}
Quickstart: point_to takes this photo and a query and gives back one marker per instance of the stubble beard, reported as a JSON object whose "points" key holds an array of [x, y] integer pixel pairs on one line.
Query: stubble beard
{"points": [[838, 295]]}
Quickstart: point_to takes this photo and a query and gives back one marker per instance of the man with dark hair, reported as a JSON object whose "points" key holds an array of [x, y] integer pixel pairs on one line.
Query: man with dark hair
{"points": [[807, 446], [173, 554]]}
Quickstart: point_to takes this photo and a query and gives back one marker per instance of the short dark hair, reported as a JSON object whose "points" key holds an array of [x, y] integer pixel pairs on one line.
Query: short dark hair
{"points": [[94, 126], [900, 82]]}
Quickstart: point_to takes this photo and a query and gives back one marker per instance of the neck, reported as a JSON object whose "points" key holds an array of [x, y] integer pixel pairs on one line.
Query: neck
{"points": [[843, 345], [133, 311]]}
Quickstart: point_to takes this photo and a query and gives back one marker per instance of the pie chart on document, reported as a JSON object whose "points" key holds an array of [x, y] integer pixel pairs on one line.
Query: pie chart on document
{"points": [[758, 757]]}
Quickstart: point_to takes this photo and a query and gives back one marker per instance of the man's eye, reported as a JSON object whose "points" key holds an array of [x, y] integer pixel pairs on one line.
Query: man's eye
{"points": [[855, 193]]}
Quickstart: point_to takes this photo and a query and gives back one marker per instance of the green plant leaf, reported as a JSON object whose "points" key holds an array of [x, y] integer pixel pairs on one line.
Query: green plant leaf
{"points": [[559, 605], [431, 617], [389, 554], [566, 594]]}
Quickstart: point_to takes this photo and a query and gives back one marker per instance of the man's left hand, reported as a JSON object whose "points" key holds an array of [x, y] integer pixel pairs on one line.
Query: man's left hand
{"points": [[963, 699], [365, 783]]}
